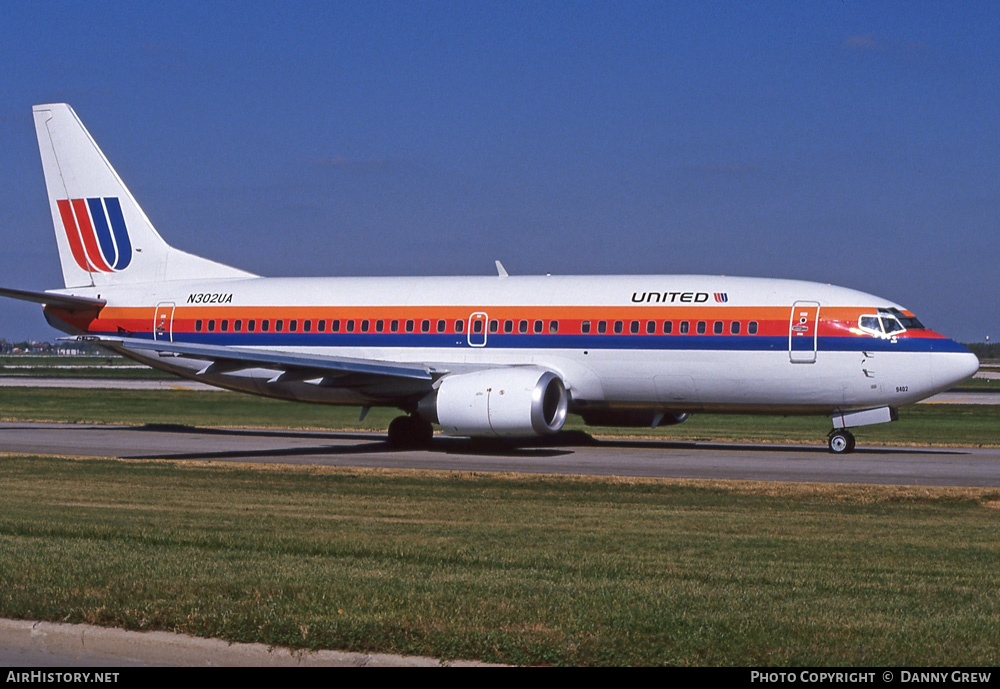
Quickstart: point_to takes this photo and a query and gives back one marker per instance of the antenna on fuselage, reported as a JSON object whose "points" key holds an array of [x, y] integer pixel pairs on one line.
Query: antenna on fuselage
{"points": [[501, 271]]}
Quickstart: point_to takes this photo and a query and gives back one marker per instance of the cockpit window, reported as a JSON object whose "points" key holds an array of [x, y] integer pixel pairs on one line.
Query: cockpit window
{"points": [[888, 323], [870, 324], [908, 322]]}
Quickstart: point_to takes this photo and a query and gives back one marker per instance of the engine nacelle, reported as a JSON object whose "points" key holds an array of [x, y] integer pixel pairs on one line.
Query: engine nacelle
{"points": [[498, 403]]}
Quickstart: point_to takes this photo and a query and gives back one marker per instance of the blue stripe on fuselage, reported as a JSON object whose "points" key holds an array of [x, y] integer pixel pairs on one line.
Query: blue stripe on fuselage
{"points": [[736, 343]]}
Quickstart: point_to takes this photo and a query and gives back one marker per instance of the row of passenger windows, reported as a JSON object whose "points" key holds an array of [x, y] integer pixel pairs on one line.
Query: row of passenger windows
{"points": [[441, 326], [349, 326], [667, 327]]}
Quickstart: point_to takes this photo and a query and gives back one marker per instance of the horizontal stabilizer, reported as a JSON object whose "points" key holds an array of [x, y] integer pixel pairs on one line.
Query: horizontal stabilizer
{"points": [[64, 301]]}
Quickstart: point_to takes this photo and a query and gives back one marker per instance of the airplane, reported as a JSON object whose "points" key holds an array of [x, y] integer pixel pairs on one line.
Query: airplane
{"points": [[485, 357]]}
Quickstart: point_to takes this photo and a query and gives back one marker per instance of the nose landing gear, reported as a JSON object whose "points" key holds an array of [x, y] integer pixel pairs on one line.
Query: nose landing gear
{"points": [[840, 441]]}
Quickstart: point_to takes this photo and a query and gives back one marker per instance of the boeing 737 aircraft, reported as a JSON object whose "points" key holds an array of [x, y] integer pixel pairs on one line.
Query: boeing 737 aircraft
{"points": [[499, 356]]}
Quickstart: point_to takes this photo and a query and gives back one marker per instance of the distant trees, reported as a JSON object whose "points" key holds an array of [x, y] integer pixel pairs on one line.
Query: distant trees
{"points": [[984, 351], [58, 348]]}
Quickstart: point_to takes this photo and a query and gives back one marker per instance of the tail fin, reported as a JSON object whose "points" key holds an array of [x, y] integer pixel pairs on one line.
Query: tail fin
{"points": [[104, 238]]}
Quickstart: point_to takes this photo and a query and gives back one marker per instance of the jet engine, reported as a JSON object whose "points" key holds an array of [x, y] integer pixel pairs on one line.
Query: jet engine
{"points": [[506, 402]]}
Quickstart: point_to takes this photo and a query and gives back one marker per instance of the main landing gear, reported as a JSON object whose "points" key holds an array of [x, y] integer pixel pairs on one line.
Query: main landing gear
{"points": [[410, 432], [841, 441]]}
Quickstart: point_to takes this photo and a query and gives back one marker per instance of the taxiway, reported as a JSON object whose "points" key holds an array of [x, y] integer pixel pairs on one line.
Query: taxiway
{"points": [[578, 455]]}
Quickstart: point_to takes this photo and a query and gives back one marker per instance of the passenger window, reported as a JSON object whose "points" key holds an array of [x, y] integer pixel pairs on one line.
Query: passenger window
{"points": [[379, 325], [307, 326], [508, 326], [752, 328], [459, 326], [619, 326], [364, 326], [494, 325], [238, 325], [251, 326], [197, 326], [650, 327], [553, 327], [585, 327], [393, 326], [441, 326], [265, 325], [350, 326], [602, 327], [538, 326], [633, 327], [522, 327], [409, 326], [734, 328], [668, 327], [477, 327], [211, 326], [279, 325], [225, 325], [425, 326], [717, 327], [335, 325], [293, 325], [684, 327], [701, 327]]}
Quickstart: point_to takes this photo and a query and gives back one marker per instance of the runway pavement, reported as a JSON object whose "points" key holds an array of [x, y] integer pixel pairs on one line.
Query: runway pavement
{"points": [[872, 465]]}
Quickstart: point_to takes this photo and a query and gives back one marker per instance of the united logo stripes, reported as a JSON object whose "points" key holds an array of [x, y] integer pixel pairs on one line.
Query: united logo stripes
{"points": [[98, 238]]}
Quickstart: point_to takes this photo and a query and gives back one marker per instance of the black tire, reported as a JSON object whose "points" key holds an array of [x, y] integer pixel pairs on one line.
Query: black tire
{"points": [[410, 432], [841, 442]]}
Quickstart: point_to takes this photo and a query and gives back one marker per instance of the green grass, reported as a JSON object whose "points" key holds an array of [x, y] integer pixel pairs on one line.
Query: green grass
{"points": [[979, 385], [524, 570], [925, 424], [49, 366]]}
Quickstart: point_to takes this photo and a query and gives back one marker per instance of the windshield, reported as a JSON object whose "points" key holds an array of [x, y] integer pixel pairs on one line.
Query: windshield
{"points": [[888, 322], [908, 322]]}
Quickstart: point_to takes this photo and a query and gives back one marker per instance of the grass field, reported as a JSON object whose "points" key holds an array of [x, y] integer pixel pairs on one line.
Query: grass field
{"points": [[49, 366], [523, 570], [513, 569]]}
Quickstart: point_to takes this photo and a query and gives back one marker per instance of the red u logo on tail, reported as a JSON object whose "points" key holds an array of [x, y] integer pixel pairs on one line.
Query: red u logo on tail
{"points": [[97, 234]]}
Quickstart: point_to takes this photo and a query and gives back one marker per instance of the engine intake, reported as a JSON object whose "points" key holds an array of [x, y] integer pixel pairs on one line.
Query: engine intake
{"points": [[498, 403]]}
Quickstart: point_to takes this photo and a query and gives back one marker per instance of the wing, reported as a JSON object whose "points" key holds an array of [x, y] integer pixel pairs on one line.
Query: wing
{"points": [[384, 379]]}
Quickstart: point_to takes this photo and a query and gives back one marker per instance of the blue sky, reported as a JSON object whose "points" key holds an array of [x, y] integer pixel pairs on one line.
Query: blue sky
{"points": [[849, 142]]}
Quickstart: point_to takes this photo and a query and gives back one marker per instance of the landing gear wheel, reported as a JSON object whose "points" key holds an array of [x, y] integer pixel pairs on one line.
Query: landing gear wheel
{"points": [[410, 432], [841, 442]]}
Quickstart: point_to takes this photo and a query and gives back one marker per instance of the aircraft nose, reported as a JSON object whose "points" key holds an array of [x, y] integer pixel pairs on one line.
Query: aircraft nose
{"points": [[953, 367]]}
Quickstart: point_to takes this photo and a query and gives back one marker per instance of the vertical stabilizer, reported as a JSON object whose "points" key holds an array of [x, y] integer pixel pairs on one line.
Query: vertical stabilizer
{"points": [[104, 238]]}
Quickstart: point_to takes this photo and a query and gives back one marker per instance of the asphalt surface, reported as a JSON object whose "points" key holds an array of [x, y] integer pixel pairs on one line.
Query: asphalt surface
{"points": [[578, 455]]}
